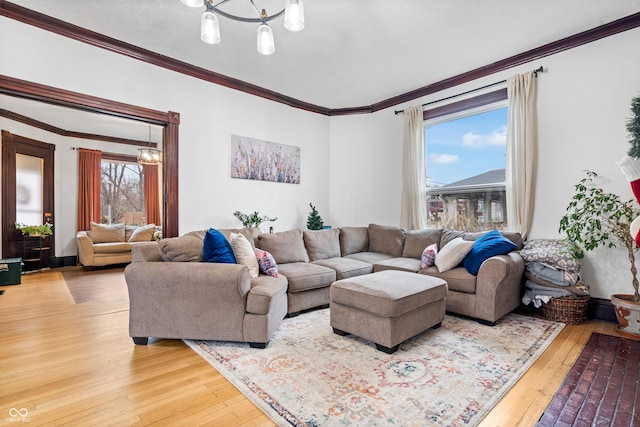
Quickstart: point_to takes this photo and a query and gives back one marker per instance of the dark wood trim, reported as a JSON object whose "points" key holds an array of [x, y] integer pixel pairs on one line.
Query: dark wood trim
{"points": [[466, 104], [45, 22], [117, 157], [71, 134], [169, 120], [66, 29]]}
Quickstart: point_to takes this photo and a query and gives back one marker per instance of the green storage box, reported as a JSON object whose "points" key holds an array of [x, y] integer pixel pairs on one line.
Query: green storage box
{"points": [[10, 271]]}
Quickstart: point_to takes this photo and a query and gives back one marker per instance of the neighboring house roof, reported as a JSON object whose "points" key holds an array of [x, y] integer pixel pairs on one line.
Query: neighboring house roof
{"points": [[491, 180]]}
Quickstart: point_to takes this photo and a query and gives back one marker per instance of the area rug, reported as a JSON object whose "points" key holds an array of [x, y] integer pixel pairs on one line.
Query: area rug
{"points": [[98, 284], [451, 376], [601, 387]]}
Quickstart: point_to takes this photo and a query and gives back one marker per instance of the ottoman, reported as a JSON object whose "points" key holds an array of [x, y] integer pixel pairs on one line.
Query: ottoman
{"points": [[387, 307]]}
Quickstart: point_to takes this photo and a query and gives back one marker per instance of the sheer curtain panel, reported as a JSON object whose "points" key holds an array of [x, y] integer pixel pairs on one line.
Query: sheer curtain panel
{"points": [[522, 150], [413, 209]]}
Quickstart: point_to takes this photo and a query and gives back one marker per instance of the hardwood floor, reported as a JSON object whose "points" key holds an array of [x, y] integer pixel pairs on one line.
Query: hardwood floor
{"points": [[74, 364]]}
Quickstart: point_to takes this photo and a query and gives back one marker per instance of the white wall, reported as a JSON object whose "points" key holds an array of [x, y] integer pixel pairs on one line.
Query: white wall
{"points": [[583, 103], [210, 114]]}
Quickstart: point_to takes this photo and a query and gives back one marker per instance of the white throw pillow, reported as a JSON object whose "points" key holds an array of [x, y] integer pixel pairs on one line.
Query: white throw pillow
{"points": [[243, 251], [453, 253]]}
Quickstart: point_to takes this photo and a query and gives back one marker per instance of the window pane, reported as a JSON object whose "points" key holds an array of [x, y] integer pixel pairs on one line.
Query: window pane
{"points": [[122, 193], [466, 171]]}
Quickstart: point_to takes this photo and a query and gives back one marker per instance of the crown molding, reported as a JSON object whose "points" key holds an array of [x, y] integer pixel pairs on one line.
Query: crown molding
{"points": [[66, 29]]}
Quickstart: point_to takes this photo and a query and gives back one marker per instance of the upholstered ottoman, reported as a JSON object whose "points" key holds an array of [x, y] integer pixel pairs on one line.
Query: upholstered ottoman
{"points": [[387, 307]]}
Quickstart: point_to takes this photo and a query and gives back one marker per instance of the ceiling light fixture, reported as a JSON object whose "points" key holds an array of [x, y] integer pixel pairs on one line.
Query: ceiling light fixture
{"points": [[210, 27], [149, 156]]}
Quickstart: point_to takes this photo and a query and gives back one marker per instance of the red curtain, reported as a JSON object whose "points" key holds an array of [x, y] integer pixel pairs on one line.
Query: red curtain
{"points": [[151, 195], [88, 187]]}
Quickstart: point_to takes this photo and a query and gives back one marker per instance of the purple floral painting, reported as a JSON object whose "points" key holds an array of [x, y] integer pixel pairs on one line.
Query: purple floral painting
{"points": [[263, 160]]}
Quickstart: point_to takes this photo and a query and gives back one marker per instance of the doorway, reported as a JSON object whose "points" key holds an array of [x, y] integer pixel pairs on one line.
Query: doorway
{"points": [[27, 198]]}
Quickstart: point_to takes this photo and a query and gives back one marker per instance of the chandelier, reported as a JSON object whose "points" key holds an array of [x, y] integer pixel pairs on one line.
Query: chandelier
{"points": [[149, 156], [210, 27]]}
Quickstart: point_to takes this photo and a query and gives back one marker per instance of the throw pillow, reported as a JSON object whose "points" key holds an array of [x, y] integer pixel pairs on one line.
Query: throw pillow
{"points": [[266, 262], [187, 248], [217, 248], [143, 234], [284, 246], [488, 245], [322, 244], [243, 251], [429, 256], [452, 254], [107, 233]]}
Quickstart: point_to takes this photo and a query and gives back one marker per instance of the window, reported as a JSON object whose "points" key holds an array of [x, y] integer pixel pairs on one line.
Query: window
{"points": [[466, 165], [122, 191]]}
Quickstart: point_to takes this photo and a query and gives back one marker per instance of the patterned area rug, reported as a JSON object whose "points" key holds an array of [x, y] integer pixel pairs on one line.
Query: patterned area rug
{"points": [[451, 376]]}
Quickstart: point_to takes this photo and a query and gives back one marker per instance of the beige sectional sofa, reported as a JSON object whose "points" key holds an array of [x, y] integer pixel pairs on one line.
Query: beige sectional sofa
{"points": [[108, 244], [171, 297]]}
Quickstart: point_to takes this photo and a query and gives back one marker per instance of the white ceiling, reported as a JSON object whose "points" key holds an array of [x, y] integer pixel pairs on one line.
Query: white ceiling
{"points": [[352, 52]]}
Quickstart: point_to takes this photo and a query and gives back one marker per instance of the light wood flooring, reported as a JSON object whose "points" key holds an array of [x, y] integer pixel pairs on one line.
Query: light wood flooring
{"points": [[74, 364]]}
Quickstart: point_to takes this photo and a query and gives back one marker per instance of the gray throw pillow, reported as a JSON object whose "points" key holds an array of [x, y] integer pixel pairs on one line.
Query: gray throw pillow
{"points": [[284, 246], [322, 244]]}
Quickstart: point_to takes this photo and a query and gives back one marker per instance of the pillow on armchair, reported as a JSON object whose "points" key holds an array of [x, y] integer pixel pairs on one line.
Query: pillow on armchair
{"points": [[107, 233]]}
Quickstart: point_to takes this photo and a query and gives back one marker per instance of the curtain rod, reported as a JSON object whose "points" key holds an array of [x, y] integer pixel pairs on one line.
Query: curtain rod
{"points": [[535, 72]]}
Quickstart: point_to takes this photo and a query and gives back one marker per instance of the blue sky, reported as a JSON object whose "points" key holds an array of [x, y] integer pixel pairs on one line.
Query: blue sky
{"points": [[466, 147]]}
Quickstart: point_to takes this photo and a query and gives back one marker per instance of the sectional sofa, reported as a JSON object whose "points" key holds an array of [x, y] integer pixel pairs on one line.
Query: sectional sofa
{"points": [[173, 294]]}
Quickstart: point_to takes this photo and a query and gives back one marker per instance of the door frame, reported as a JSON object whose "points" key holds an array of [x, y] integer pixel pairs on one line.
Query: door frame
{"points": [[29, 147], [169, 120]]}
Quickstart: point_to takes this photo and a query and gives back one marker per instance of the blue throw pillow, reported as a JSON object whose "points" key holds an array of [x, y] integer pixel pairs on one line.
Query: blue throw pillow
{"points": [[489, 244], [217, 248]]}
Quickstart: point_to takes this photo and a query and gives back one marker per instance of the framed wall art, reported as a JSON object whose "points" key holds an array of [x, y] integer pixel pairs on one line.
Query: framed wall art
{"points": [[263, 160]]}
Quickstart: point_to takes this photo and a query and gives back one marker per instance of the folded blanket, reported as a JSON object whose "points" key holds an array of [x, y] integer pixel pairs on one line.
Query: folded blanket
{"points": [[552, 252], [579, 289], [554, 275]]}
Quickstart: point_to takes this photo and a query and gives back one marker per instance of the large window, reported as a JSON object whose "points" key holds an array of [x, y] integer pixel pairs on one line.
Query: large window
{"points": [[465, 162], [122, 192]]}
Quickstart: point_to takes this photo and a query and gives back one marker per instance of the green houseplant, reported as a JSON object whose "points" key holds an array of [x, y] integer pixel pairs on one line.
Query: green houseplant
{"points": [[252, 220], [314, 221], [35, 230], [596, 218]]}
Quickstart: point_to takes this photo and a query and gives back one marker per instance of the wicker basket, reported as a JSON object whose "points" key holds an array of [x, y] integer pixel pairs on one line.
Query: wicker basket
{"points": [[569, 310]]}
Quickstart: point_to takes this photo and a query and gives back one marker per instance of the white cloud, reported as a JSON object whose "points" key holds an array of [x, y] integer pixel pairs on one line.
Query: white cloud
{"points": [[474, 140], [443, 159]]}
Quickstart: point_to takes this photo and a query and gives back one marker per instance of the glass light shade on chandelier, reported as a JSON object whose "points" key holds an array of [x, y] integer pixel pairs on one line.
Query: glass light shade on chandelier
{"points": [[294, 15], [149, 156], [266, 45], [209, 28]]}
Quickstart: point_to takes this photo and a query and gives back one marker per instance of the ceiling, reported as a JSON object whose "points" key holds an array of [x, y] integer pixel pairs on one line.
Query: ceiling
{"points": [[351, 53]]}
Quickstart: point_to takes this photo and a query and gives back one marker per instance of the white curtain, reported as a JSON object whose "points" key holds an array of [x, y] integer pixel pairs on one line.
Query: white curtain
{"points": [[413, 209], [521, 151]]}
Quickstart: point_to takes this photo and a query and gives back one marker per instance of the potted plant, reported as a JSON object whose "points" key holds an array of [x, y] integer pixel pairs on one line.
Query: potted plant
{"points": [[314, 221], [253, 220], [35, 230], [596, 218]]}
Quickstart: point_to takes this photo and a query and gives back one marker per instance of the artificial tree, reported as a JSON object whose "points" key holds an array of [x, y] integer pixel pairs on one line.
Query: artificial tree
{"points": [[314, 221], [596, 218]]}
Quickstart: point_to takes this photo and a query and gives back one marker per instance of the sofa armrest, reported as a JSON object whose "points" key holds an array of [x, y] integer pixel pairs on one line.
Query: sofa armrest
{"points": [[187, 300], [85, 248], [499, 286]]}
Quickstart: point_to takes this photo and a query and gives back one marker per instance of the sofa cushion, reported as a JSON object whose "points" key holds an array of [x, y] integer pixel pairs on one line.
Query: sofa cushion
{"points": [[266, 263], [428, 257], [243, 252], [458, 279], [107, 233], [217, 248], [353, 240], [285, 246], [417, 240], [263, 289], [386, 239], [187, 248], [346, 267], [488, 245], [411, 265], [453, 254], [112, 248], [226, 232], [303, 276], [369, 257], [448, 235], [143, 233], [322, 244]]}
